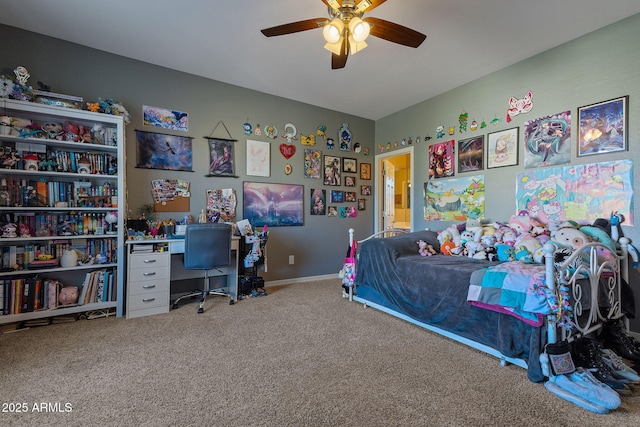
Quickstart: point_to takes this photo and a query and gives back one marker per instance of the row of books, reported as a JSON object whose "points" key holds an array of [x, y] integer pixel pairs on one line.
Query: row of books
{"points": [[43, 224], [31, 193], [32, 294]]}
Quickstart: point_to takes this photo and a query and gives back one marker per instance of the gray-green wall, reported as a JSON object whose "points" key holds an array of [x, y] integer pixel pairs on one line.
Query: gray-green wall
{"points": [[318, 247], [599, 66]]}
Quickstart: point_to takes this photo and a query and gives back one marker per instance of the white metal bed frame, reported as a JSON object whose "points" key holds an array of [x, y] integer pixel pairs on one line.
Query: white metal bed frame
{"points": [[594, 271]]}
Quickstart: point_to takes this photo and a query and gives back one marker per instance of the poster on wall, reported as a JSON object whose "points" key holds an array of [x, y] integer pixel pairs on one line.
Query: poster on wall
{"points": [[258, 158], [454, 199], [471, 154], [274, 205], [165, 118], [603, 127], [547, 141], [442, 158], [581, 193], [161, 151]]}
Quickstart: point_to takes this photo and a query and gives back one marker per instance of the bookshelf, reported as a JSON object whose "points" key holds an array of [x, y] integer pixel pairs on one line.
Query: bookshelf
{"points": [[62, 178]]}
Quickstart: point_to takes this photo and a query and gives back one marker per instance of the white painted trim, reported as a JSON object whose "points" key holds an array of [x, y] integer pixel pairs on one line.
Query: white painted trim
{"points": [[301, 279]]}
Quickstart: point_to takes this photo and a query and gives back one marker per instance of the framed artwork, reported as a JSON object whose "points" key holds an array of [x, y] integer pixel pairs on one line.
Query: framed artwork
{"points": [[350, 181], [332, 171], [221, 157], [471, 154], [365, 190], [318, 201], [502, 148], [442, 159], [161, 151], [349, 196], [362, 204], [312, 163], [365, 170], [258, 158], [273, 205], [165, 118], [332, 211], [547, 140], [603, 127], [349, 165], [337, 196]]}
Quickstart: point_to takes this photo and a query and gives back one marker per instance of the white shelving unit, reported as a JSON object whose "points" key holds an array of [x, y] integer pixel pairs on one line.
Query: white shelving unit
{"points": [[101, 193]]}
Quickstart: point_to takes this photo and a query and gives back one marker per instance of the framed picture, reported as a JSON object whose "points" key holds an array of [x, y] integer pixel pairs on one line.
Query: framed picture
{"points": [[332, 171], [221, 157], [258, 158], [349, 165], [165, 118], [312, 163], [337, 196], [603, 127], [318, 201], [349, 196], [502, 148], [362, 204], [332, 211], [365, 190], [273, 205], [161, 151], [350, 181], [365, 170], [471, 154]]}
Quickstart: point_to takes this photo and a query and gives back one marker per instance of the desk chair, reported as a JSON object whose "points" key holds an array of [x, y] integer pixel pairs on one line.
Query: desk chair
{"points": [[206, 246]]}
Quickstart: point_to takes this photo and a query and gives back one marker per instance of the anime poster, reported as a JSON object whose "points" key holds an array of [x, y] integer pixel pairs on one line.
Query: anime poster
{"points": [[581, 193], [547, 141], [312, 163], [161, 151], [318, 201], [442, 159], [454, 199]]}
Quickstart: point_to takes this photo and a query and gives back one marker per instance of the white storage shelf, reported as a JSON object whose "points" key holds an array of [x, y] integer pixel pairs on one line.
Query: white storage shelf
{"points": [[13, 140]]}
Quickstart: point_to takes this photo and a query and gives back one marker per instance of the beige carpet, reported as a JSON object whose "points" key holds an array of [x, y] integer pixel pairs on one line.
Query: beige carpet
{"points": [[301, 356]]}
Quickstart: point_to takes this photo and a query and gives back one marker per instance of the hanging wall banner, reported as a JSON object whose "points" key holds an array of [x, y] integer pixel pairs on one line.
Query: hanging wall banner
{"points": [[160, 151], [454, 199], [221, 157], [582, 193]]}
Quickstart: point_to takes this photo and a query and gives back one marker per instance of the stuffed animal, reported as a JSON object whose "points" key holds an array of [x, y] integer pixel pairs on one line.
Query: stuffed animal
{"points": [[520, 223], [473, 225], [523, 254], [505, 252], [425, 249], [571, 237]]}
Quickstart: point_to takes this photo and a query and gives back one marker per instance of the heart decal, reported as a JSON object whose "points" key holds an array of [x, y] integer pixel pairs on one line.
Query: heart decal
{"points": [[287, 150]]}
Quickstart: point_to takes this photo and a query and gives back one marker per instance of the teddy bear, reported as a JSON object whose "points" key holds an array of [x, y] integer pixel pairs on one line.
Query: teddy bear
{"points": [[425, 249]]}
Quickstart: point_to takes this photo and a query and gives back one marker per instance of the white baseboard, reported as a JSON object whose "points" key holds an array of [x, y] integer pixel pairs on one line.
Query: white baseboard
{"points": [[300, 280]]}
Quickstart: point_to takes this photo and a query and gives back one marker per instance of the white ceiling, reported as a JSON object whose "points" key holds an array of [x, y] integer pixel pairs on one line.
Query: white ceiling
{"points": [[221, 40]]}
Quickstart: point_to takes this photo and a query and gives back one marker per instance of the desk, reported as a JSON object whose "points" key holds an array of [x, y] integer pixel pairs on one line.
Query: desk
{"points": [[153, 264]]}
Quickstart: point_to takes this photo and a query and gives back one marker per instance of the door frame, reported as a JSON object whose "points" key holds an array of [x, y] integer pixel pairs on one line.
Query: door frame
{"points": [[379, 180]]}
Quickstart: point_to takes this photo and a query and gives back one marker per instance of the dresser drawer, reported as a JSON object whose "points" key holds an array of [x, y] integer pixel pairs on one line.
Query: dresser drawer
{"points": [[149, 273], [139, 287], [155, 259], [148, 300]]}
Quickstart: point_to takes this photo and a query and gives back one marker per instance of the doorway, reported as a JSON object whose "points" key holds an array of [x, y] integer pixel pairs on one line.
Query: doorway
{"points": [[394, 199]]}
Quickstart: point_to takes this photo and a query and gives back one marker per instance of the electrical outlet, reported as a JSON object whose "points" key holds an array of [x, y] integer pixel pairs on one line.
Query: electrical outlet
{"points": [[291, 259]]}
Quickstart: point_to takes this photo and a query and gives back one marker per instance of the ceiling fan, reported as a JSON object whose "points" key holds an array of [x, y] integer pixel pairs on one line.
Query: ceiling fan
{"points": [[346, 31]]}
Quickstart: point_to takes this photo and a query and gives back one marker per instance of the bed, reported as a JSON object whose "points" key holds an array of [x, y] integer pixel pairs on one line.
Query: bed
{"points": [[433, 292]]}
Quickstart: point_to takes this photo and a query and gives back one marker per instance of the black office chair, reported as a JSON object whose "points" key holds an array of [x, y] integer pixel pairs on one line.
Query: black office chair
{"points": [[206, 246]]}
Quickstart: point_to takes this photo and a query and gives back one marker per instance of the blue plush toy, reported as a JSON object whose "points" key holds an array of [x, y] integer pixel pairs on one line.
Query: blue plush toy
{"points": [[505, 252]]}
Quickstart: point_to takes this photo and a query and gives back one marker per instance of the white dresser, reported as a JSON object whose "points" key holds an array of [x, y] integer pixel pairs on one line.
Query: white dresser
{"points": [[148, 283]]}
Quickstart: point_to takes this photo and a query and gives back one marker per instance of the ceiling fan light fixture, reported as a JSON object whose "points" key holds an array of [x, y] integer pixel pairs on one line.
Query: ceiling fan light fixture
{"points": [[355, 47], [359, 29], [334, 47], [332, 31]]}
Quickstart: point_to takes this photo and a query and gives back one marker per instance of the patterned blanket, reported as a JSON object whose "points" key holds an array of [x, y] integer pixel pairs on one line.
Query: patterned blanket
{"points": [[514, 288]]}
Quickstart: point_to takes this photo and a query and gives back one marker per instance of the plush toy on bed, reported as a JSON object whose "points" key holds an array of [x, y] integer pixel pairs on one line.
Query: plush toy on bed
{"points": [[425, 249]]}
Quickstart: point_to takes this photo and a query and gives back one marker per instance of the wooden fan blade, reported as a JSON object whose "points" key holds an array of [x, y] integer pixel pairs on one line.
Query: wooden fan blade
{"points": [[394, 32], [339, 61], [333, 4], [295, 27], [368, 5]]}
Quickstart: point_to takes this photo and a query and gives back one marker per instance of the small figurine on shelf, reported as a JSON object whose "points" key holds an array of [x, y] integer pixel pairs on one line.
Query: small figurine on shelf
{"points": [[9, 230], [112, 219], [24, 230]]}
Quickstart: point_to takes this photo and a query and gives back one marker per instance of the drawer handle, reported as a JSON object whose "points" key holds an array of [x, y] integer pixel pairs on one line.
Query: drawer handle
{"points": [[148, 300], [148, 286], [149, 261], [151, 273]]}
